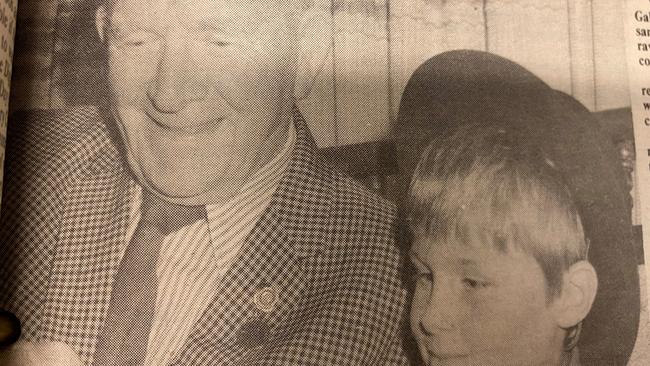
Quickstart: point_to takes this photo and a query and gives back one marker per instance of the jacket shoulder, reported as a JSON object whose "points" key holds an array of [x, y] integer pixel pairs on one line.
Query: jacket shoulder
{"points": [[44, 152], [354, 204], [47, 131], [47, 145]]}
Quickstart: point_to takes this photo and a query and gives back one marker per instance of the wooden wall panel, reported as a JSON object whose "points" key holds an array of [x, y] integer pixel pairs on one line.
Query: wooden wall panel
{"points": [[533, 33], [77, 77], [420, 29], [575, 45], [319, 108], [581, 43], [31, 79], [361, 70], [609, 55]]}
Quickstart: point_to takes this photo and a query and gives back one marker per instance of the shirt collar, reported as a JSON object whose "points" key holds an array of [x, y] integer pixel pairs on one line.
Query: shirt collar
{"points": [[254, 196]]}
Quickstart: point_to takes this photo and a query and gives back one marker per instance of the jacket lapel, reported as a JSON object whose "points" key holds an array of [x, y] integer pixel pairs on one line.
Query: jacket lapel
{"points": [[264, 284], [234, 322], [91, 240]]}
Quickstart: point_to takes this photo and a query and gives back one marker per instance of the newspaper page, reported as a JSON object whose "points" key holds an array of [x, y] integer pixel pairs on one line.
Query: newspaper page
{"points": [[637, 35], [326, 182]]}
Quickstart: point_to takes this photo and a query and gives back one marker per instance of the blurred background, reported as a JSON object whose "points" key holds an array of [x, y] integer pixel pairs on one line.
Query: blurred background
{"points": [[577, 46]]}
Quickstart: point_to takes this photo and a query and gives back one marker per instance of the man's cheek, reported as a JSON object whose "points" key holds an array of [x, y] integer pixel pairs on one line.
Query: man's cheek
{"points": [[244, 77], [129, 80], [243, 87]]}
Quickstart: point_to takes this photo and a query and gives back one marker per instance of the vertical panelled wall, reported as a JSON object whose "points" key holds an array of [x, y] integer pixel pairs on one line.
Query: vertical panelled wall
{"points": [[574, 45], [577, 46], [354, 85]]}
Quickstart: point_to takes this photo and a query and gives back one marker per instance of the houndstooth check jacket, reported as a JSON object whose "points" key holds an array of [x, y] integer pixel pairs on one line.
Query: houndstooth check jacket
{"points": [[325, 245]]}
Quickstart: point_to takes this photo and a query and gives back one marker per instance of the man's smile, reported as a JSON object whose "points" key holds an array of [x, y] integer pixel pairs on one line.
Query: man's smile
{"points": [[171, 126]]}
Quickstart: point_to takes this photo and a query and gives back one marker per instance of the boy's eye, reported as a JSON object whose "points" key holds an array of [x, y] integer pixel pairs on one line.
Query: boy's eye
{"points": [[217, 39], [475, 284], [419, 277]]}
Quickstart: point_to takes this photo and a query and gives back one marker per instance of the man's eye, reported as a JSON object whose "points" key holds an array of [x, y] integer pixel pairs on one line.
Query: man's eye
{"points": [[220, 43], [136, 40], [475, 284]]}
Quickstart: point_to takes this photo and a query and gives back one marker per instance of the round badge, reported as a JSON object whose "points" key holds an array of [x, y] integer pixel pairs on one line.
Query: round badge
{"points": [[265, 299]]}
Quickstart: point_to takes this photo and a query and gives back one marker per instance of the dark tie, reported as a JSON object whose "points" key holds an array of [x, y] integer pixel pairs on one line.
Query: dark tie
{"points": [[123, 340]]}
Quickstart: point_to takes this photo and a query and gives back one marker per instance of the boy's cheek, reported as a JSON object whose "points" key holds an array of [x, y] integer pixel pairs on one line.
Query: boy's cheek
{"points": [[416, 315], [420, 337]]}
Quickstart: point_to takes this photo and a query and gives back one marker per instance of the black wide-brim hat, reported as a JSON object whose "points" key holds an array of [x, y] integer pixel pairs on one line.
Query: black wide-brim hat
{"points": [[473, 87]]}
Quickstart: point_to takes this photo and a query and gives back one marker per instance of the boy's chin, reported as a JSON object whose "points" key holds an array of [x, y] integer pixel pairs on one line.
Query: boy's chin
{"points": [[514, 358]]}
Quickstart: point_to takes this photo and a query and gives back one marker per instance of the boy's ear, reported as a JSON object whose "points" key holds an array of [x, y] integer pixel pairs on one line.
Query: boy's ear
{"points": [[315, 43], [579, 287], [101, 20]]}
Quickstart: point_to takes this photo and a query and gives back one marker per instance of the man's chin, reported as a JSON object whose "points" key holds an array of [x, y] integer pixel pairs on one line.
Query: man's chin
{"points": [[191, 193]]}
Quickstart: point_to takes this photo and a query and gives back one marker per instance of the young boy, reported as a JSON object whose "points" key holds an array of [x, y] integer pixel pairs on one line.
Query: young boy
{"points": [[517, 187], [502, 276]]}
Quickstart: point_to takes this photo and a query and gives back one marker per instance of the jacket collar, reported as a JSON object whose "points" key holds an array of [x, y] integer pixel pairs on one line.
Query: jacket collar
{"points": [[303, 198]]}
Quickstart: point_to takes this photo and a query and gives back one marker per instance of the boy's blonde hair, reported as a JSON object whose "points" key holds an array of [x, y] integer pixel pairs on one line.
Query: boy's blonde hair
{"points": [[484, 185]]}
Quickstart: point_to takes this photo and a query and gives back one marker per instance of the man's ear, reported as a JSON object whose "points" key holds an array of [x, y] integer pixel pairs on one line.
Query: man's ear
{"points": [[315, 43], [101, 20], [579, 287]]}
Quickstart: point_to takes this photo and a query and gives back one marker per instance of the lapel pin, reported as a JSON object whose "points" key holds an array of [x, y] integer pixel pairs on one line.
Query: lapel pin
{"points": [[265, 299]]}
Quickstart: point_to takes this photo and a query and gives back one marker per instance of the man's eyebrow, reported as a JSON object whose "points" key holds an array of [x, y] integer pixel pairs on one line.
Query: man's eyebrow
{"points": [[121, 31], [221, 21], [121, 24], [226, 26]]}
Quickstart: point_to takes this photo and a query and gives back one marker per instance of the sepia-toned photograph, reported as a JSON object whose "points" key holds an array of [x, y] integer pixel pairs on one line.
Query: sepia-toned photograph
{"points": [[321, 182]]}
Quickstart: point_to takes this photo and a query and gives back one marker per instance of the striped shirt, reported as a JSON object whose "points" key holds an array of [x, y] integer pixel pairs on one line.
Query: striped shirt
{"points": [[193, 259]]}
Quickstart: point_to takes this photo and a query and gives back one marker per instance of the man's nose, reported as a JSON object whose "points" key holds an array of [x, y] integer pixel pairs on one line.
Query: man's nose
{"points": [[442, 310], [177, 81]]}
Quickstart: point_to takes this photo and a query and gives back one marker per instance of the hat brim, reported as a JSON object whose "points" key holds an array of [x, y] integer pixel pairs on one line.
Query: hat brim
{"points": [[473, 87]]}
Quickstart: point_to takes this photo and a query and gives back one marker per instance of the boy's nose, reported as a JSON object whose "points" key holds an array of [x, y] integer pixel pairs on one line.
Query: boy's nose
{"points": [[442, 311], [176, 82]]}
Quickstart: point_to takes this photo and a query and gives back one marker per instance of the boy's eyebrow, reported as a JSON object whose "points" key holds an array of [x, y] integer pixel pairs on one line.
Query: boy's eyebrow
{"points": [[467, 262]]}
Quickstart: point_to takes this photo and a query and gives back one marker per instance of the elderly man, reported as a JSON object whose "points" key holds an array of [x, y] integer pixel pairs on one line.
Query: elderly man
{"points": [[191, 221]]}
